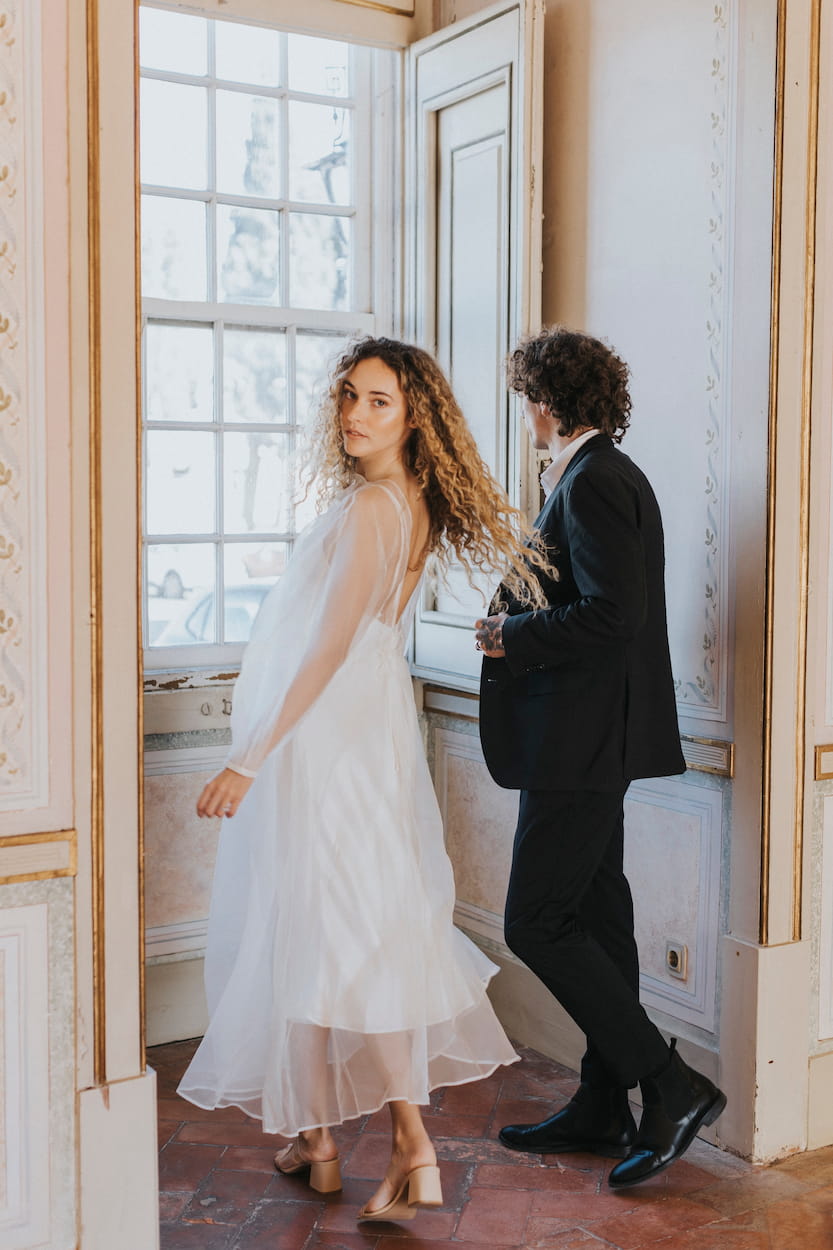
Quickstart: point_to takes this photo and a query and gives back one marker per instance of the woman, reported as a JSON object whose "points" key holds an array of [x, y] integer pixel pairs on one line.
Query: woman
{"points": [[336, 981]]}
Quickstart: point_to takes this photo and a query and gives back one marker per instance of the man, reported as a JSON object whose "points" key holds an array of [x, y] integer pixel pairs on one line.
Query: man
{"points": [[576, 701]]}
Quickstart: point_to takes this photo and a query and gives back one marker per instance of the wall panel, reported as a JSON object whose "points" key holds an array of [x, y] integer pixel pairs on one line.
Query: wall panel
{"points": [[37, 1185], [34, 542]]}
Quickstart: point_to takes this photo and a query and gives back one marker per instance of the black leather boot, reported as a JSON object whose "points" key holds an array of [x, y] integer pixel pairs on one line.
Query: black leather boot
{"points": [[596, 1120], [676, 1104]]}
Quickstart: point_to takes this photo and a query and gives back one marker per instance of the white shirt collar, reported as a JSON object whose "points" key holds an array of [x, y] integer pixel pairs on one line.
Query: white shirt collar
{"points": [[554, 471]]}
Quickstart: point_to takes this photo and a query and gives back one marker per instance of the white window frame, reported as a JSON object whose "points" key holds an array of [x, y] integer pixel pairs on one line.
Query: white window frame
{"points": [[377, 269]]}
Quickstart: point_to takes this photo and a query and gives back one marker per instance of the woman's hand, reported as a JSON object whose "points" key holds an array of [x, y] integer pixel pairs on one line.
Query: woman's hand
{"points": [[223, 794]]}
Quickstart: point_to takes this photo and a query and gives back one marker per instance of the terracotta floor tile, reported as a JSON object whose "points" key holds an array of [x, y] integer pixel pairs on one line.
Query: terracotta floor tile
{"points": [[683, 1177], [369, 1158], [249, 1159], [456, 1125], [278, 1226], [757, 1189], [543, 1233], [820, 1199], [219, 1189], [719, 1162], [342, 1241], [171, 1205], [818, 1163], [471, 1150], [165, 1130], [582, 1208], [221, 1132], [580, 1161], [195, 1237], [379, 1122], [172, 1107], [567, 1239], [296, 1189], [541, 1179], [652, 1221], [522, 1084], [495, 1215], [183, 1167], [389, 1242], [723, 1235], [477, 1098], [227, 1197], [796, 1224]]}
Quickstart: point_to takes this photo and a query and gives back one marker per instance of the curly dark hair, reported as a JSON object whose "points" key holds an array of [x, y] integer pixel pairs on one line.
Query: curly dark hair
{"points": [[580, 379]]}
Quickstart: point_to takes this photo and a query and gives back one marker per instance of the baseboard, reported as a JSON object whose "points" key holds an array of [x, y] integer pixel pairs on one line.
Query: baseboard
{"points": [[175, 996]]}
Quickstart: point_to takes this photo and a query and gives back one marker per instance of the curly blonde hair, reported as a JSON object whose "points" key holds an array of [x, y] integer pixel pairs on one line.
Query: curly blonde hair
{"points": [[470, 515]]}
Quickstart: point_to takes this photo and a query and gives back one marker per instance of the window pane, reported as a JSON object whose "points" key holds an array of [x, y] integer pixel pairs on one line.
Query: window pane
{"points": [[319, 153], [250, 570], [254, 375], [257, 484], [248, 250], [173, 248], [180, 476], [248, 54], [179, 373], [180, 594], [318, 66], [319, 261], [173, 41], [247, 144], [315, 355], [174, 134]]}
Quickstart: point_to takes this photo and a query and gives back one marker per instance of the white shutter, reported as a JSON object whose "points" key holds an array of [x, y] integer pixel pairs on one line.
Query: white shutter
{"points": [[474, 263]]}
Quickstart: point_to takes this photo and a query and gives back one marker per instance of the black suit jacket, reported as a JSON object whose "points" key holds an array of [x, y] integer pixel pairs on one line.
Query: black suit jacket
{"points": [[584, 699]]}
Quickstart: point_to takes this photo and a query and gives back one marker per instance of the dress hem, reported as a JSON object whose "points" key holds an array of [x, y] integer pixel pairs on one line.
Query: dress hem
{"points": [[219, 1106]]}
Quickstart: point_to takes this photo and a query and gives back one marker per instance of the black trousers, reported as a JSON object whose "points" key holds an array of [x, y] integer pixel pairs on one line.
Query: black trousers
{"points": [[569, 918]]}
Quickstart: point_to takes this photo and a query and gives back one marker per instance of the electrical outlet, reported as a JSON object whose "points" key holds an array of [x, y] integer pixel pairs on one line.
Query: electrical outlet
{"points": [[676, 959]]}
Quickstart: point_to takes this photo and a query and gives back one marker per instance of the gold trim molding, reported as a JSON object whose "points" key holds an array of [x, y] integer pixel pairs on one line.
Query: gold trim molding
{"points": [[823, 767], [709, 755], [96, 604], [65, 856], [776, 328]]}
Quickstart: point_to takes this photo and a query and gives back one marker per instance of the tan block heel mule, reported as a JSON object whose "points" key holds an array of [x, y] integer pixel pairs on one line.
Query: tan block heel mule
{"points": [[420, 1188], [324, 1176]]}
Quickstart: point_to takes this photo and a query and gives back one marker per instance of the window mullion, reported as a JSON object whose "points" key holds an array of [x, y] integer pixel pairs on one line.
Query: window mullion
{"points": [[177, 374]]}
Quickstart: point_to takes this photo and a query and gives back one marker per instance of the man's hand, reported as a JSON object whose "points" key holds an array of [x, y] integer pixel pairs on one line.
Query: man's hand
{"points": [[223, 794], [489, 636]]}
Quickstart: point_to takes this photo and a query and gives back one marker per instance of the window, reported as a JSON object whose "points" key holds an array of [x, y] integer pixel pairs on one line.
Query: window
{"points": [[257, 219]]}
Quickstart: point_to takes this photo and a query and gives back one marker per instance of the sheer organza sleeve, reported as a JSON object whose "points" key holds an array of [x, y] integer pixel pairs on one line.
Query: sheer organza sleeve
{"points": [[345, 576]]}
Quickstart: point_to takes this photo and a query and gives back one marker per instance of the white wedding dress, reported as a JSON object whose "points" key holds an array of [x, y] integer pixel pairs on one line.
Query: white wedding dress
{"points": [[335, 978]]}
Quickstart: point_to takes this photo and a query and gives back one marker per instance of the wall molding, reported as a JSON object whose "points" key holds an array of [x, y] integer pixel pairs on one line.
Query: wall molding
{"points": [[825, 1029], [25, 1191], [24, 706], [185, 937], [702, 693], [185, 760], [38, 856], [709, 755], [693, 1000]]}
